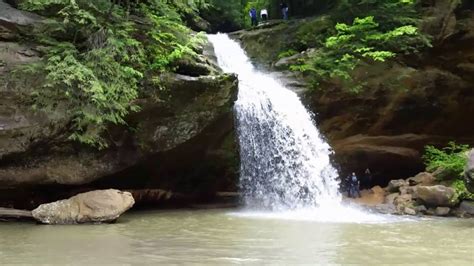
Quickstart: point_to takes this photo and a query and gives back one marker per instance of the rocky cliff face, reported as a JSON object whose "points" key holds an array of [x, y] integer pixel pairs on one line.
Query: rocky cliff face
{"points": [[407, 105], [189, 131]]}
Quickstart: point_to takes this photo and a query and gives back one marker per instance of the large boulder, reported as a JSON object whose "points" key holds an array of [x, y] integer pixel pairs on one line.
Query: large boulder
{"points": [[469, 172], [395, 185], [436, 196], [91, 207], [422, 178]]}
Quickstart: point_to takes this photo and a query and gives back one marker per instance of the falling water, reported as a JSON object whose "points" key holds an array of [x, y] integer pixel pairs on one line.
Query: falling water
{"points": [[284, 161]]}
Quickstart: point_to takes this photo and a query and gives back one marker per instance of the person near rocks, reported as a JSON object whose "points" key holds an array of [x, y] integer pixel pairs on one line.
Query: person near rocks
{"points": [[347, 184], [354, 186], [264, 14], [284, 10], [253, 16], [368, 177]]}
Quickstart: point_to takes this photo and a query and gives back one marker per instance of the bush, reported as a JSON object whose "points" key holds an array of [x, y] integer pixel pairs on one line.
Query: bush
{"points": [[449, 161], [370, 31], [461, 191]]}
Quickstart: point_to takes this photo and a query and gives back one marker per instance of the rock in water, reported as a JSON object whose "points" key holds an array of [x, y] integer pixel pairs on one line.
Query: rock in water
{"points": [[442, 211], [469, 172], [91, 207], [467, 207], [436, 195]]}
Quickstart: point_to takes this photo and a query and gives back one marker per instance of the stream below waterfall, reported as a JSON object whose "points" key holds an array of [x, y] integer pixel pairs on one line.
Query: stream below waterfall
{"points": [[223, 237]]}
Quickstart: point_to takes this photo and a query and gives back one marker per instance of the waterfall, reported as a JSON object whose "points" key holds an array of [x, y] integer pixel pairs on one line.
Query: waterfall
{"points": [[285, 162]]}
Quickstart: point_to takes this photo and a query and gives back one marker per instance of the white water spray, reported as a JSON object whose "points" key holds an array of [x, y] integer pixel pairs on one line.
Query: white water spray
{"points": [[284, 161]]}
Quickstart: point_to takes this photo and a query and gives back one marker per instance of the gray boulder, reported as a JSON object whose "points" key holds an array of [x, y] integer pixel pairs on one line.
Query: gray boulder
{"points": [[466, 208], [91, 207], [395, 185], [422, 178], [442, 211], [469, 172], [436, 196]]}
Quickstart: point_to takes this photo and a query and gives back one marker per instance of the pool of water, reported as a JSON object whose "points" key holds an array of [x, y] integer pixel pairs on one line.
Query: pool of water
{"points": [[240, 237]]}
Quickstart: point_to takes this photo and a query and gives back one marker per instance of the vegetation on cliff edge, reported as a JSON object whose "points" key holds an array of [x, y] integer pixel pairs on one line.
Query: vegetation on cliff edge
{"points": [[98, 54], [365, 32], [448, 164]]}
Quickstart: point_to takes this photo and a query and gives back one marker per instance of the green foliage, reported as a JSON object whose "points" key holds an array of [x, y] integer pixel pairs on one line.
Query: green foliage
{"points": [[448, 161], [96, 57], [461, 191], [287, 53], [379, 31]]}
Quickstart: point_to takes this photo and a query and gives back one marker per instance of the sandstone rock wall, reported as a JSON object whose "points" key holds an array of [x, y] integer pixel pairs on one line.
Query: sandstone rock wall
{"points": [[187, 131], [407, 104]]}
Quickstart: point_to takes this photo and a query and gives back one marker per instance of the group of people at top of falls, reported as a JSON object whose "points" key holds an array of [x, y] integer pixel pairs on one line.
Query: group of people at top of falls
{"points": [[264, 14]]}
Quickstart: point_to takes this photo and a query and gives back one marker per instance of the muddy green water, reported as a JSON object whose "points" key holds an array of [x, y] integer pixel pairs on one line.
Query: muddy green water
{"points": [[220, 237]]}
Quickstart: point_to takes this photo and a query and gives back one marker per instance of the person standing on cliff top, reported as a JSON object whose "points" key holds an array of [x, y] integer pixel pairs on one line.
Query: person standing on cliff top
{"points": [[264, 14], [253, 16], [284, 10]]}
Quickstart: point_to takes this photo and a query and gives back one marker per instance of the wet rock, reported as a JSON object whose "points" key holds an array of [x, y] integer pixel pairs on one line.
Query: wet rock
{"points": [[407, 190], [402, 202], [409, 211], [430, 211], [423, 178], [385, 208], [435, 196], [442, 211], [199, 115], [421, 209], [12, 20], [466, 208], [91, 207], [469, 172], [194, 65], [389, 199], [395, 185]]}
